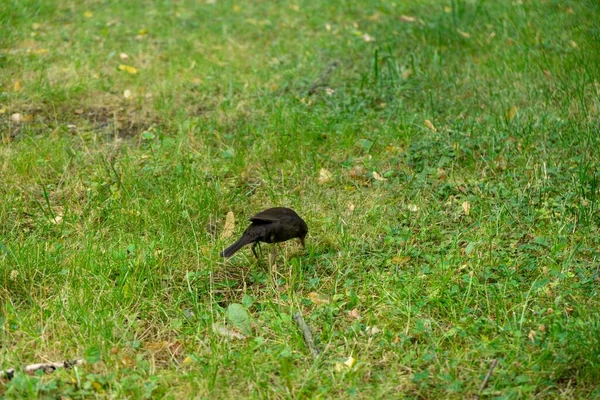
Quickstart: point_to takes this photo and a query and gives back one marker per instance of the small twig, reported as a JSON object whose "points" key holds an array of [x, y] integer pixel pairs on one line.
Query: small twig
{"points": [[487, 377], [306, 334], [46, 367]]}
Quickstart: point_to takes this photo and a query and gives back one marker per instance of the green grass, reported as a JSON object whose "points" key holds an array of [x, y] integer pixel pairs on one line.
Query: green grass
{"points": [[482, 242]]}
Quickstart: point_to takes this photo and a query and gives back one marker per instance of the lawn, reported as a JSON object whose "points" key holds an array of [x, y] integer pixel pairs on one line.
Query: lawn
{"points": [[445, 155]]}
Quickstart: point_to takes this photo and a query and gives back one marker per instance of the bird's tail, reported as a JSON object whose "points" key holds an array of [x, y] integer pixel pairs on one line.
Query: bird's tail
{"points": [[231, 250]]}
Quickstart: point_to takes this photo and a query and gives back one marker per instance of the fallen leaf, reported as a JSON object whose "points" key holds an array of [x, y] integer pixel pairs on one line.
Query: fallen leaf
{"points": [[548, 74], [329, 91], [239, 317], [367, 38], [128, 68], [531, 335], [354, 314], [573, 44], [378, 177], [35, 26], [127, 94], [351, 207], [16, 118], [155, 346], [441, 172], [123, 56], [413, 207], [406, 73], [511, 113], [396, 340], [229, 226], [318, 298], [464, 34], [227, 332], [430, 126], [350, 362], [407, 18], [401, 260], [324, 176], [127, 361], [466, 206], [17, 86], [14, 274], [57, 219], [372, 330], [542, 328]]}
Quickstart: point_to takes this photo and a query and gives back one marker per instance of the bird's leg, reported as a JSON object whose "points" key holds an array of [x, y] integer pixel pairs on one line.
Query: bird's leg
{"points": [[254, 249]]}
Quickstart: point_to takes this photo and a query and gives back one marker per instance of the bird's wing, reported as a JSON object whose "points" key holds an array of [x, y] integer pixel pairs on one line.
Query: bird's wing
{"points": [[273, 214]]}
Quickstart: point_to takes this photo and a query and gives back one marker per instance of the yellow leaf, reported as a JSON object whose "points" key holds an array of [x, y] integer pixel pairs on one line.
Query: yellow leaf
{"points": [[40, 51], [88, 14], [317, 298], [324, 176], [97, 386], [378, 177], [128, 68], [17, 86], [466, 206], [229, 226], [512, 112], [464, 34], [430, 126], [187, 361], [367, 38], [350, 362]]}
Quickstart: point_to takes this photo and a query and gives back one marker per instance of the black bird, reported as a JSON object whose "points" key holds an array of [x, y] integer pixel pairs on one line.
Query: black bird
{"points": [[272, 225]]}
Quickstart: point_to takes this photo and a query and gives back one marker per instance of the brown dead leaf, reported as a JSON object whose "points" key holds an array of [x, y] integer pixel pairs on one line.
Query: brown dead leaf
{"points": [[229, 226], [531, 335], [317, 298], [466, 206], [441, 172], [548, 74], [17, 86], [354, 314]]}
